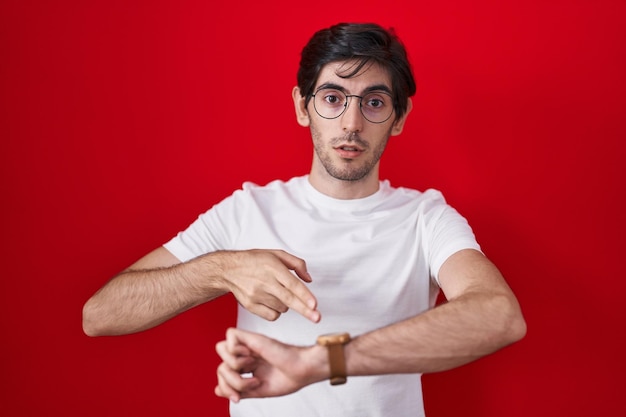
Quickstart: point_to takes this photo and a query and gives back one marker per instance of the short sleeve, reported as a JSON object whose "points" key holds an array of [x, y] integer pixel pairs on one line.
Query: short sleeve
{"points": [[448, 233], [212, 231]]}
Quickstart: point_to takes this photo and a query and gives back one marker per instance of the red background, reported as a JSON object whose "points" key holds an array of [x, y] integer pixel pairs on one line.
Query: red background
{"points": [[121, 121]]}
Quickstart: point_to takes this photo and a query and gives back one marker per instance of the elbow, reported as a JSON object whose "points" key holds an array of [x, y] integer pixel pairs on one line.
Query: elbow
{"points": [[503, 322], [518, 329], [90, 323], [100, 320], [514, 326]]}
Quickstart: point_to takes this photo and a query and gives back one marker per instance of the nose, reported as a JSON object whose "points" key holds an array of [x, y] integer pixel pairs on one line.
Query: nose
{"points": [[352, 118]]}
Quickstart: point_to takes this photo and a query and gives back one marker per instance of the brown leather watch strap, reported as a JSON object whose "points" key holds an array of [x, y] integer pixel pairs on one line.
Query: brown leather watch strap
{"points": [[337, 364], [336, 358]]}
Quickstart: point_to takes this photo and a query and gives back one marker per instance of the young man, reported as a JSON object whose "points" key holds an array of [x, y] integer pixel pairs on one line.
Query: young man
{"points": [[337, 254]]}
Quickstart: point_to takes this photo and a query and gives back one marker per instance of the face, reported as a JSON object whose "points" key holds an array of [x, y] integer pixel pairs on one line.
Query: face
{"points": [[349, 147]]}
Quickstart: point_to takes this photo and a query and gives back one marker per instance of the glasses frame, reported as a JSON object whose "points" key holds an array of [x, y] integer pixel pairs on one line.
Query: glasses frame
{"points": [[347, 103]]}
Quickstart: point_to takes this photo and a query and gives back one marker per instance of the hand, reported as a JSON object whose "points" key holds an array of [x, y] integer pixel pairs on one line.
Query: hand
{"points": [[256, 366], [262, 282]]}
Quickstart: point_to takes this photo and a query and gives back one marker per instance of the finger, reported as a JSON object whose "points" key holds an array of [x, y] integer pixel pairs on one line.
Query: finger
{"points": [[229, 393], [233, 343], [265, 306], [271, 301], [240, 360], [232, 384], [223, 390], [297, 286], [261, 345], [231, 346], [264, 311], [254, 342], [297, 296], [298, 265]]}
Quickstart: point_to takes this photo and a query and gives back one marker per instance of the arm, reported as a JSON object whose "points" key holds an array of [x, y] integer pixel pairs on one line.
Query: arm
{"points": [[159, 287], [481, 316]]}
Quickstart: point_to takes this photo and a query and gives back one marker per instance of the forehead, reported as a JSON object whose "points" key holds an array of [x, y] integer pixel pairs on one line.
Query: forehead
{"points": [[370, 75]]}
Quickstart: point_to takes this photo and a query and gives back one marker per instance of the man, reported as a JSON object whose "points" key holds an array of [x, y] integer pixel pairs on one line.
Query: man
{"points": [[337, 254]]}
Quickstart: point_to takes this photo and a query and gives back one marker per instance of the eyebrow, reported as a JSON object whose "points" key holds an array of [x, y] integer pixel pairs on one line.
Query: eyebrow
{"points": [[376, 87]]}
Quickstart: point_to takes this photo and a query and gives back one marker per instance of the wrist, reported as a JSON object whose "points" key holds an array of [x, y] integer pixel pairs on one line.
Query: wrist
{"points": [[210, 273], [321, 363]]}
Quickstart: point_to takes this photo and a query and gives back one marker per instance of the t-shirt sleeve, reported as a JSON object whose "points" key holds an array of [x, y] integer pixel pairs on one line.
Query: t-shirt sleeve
{"points": [[212, 231], [448, 233]]}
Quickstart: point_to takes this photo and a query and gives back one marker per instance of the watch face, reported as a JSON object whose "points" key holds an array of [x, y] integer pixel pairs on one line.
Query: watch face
{"points": [[333, 339]]}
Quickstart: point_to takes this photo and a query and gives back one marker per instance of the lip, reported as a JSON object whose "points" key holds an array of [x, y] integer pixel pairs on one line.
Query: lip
{"points": [[348, 151]]}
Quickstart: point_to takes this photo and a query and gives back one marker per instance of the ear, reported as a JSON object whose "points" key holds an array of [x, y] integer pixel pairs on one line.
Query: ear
{"points": [[398, 125], [302, 114]]}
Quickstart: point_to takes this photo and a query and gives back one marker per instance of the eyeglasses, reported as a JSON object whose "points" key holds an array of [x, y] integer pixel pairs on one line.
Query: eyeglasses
{"points": [[330, 103]]}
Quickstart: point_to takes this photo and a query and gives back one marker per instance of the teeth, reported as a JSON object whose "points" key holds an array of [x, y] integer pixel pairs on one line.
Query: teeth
{"points": [[348, 148]]}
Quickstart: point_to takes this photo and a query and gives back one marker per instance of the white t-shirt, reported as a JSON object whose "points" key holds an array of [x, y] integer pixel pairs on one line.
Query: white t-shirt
{"points": [[374, 261]]}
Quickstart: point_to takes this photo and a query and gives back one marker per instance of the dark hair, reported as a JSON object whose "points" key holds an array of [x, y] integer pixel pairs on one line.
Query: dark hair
{"points": [[365, 43]]}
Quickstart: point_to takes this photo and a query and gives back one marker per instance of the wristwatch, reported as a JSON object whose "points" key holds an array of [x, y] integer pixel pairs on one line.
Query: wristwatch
{"points": [[336, 358]]}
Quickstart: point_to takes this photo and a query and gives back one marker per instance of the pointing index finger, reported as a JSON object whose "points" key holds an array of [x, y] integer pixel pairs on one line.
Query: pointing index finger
{"points": [[296, 294], [298, 297]]}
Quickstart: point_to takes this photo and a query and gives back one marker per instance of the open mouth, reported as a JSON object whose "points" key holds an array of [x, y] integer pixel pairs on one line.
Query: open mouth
{"points": [[348, 152]]}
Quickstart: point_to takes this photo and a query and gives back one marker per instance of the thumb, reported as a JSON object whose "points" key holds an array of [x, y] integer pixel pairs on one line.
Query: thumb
{"points": [[259, 344]]}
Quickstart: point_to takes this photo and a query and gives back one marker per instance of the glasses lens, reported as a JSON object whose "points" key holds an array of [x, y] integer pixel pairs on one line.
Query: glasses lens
{"points": [[329, 103], [377, 107]]}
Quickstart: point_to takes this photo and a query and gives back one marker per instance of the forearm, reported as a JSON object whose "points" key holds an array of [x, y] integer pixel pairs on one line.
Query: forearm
{"points": [[450, 335], [470, 326], [158, 287], [138, 299]]}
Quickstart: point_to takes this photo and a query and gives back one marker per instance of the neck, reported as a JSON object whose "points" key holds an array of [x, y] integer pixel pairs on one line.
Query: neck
{"points": [[333, 187]]}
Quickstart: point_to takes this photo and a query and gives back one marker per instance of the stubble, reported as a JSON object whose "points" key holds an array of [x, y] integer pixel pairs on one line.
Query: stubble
{"points": [[347, 169]]}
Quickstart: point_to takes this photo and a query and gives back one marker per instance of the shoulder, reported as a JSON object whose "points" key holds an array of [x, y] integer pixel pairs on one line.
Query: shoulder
{"points": [[272, 186], [424, 200], [276, 190]]}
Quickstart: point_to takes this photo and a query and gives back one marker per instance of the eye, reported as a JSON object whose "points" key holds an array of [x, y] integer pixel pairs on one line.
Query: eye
{"points": [[333, 98], [376, 101]]}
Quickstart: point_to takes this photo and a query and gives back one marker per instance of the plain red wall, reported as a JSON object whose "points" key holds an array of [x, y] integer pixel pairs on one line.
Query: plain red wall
{"points": [[121, 121]]}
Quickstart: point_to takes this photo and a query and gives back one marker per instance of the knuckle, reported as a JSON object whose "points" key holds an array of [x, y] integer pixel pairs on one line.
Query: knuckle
{"points": [[273, 315], [230, 333]]}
